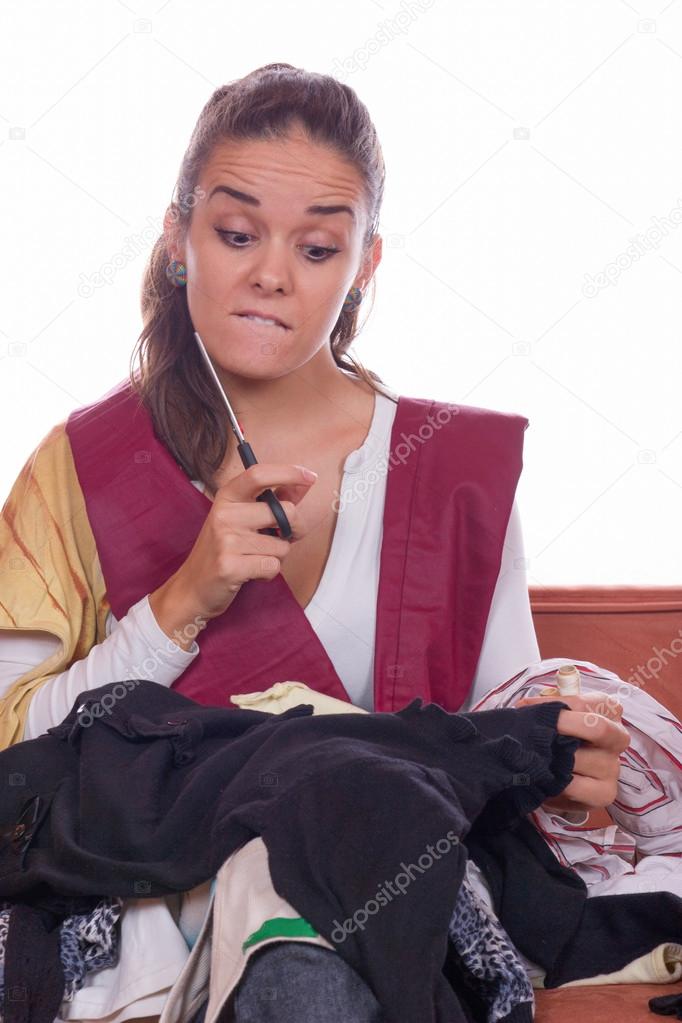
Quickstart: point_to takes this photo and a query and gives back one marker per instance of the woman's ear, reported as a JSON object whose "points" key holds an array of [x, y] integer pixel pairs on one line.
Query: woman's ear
{"points": [[377, 251], [369, 264]]}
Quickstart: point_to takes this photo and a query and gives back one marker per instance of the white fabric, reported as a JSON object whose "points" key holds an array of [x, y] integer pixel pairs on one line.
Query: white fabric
{"points": [[342, 612], [641, 851], [152, 954], [135, 647]]}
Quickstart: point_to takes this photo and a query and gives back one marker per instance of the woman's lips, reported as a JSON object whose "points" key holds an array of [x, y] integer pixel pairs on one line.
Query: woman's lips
{"points": [[257, 324]]}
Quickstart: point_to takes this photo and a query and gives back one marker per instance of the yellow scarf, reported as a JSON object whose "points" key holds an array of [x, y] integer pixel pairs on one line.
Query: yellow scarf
{"points": [[50, 575]]}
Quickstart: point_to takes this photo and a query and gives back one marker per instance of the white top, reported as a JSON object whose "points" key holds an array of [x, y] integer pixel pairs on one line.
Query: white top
{"points": [[343, 614]]}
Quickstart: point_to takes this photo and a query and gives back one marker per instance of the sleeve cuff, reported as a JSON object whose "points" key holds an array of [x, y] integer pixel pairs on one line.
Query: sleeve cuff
{"points": [[556, 757], [156, 637], [543, 760]]}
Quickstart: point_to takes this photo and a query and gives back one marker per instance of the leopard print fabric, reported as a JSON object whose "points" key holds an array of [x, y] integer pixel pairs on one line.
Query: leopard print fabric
{"points": [[490, 962], [88, 941]]}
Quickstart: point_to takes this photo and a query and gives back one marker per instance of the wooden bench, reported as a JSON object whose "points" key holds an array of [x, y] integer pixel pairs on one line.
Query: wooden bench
{"points": [[629, 630]]}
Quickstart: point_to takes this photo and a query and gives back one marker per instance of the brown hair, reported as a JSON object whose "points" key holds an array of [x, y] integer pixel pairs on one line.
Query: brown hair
{"points": [[172, 383]]}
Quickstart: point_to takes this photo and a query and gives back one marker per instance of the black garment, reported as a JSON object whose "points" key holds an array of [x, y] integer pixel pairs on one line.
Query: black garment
{"points": [[546, 912], [153, 795], [525, 877], [32, 952], [667, 1005]]}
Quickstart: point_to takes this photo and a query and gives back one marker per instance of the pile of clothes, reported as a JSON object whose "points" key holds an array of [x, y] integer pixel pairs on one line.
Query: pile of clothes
{"points": [[369, 822]]}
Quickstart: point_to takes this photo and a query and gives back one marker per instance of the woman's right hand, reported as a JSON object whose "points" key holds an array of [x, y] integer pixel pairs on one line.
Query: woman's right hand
{"points": [[229, 549]]}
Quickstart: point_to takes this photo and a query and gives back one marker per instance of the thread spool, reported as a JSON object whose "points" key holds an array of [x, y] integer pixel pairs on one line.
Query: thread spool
{"points": [[567, 681]]}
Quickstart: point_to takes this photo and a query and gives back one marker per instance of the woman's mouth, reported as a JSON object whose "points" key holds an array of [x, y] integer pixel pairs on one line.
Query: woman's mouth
{"points": [[261, 321]]}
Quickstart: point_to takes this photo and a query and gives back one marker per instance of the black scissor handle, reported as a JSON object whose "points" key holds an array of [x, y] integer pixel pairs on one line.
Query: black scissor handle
{"points": [[248, 459], [278, 511]]}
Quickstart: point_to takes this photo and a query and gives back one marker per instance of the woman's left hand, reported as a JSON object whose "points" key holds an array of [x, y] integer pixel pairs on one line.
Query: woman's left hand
{"points": [[595, 718]]}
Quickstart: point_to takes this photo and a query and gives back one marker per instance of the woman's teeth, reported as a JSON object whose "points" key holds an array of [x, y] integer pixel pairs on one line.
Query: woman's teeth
{"points": [[259, 319]]}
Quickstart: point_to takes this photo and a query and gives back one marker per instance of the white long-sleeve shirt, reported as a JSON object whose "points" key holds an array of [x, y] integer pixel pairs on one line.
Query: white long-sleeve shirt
{"points": [[343, 614]]}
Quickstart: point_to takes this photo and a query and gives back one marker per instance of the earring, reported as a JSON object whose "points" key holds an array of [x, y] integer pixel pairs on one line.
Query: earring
{"points": [[352, 301], [176, 272]]}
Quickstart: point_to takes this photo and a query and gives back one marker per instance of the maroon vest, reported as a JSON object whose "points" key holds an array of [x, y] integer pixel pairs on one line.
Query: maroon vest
{"points": [[451, 479]]}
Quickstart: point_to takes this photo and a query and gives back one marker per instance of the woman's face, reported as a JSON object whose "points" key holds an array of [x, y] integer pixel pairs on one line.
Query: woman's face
{"points": [[265, 251]]}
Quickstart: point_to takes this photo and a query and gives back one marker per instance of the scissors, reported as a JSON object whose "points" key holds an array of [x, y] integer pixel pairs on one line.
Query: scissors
{"points": [[247, 456]]}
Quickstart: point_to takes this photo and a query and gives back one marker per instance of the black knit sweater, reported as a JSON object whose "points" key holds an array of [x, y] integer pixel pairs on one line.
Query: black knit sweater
{"points": [[153, 795]]}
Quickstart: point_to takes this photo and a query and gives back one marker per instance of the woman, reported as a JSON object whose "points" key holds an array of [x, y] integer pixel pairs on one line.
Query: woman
{"points": [[133, 530]]}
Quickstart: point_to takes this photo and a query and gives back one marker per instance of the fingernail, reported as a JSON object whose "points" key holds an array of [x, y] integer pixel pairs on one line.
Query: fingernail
{"points": [[307, 473]]}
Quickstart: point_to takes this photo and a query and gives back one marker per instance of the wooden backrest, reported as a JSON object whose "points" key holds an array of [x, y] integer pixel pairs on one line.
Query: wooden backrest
{"points": [[634, 631]]}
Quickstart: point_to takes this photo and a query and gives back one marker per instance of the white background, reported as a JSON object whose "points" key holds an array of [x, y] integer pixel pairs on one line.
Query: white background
{"points": [[527, 144]]}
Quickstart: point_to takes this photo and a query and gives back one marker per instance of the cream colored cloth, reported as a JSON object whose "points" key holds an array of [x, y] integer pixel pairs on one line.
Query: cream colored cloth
{"points": [[283, 695], [662, 965], [244, 914], [50, 575]]}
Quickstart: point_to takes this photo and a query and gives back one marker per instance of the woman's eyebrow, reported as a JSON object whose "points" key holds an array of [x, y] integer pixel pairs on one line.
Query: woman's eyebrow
{"points": [[252, 201]]}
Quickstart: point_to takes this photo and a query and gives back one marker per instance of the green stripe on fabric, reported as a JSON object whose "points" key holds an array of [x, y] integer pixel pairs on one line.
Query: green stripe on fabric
{"points": [[281, 926]]}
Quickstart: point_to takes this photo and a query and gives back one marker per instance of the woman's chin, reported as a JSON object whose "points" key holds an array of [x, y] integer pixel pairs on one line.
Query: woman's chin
{"points": [[252, 349], [252, 366]]}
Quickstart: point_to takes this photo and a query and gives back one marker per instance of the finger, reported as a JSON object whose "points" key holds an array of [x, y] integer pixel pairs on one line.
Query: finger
{"points": [[593, 762], [292, 492], [597, 703], [595, 729], [257, 478], [603, 703], [253, 515], [591, 793]]}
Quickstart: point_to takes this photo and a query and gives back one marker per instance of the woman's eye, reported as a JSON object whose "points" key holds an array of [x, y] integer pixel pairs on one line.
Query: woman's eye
{"points": [[328, 253], [227, 237], [235, 234]]}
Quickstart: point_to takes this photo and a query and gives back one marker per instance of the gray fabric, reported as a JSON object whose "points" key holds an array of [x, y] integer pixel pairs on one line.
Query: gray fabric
{"points": [[291, 982]]}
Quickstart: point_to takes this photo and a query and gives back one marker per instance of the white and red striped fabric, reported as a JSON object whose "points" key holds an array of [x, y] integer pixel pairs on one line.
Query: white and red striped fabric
{"points": [[641, 851]]}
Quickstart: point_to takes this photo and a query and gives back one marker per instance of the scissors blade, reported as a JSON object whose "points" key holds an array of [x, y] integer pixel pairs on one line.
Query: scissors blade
{"points": [[207, 359]]}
